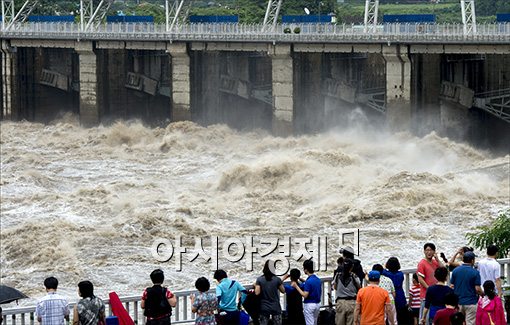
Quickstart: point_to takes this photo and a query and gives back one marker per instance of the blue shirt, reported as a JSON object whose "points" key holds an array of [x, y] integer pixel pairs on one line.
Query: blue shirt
{"points": [[464, 279], [226, 291], [398, 279], [313, 286], [290, 289]]}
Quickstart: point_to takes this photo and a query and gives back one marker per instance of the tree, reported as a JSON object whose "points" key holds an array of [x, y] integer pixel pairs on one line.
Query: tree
{"points": [[498, 233]]}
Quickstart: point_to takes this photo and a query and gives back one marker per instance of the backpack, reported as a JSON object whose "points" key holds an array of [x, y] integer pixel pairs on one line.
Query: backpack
{"points": [[156, 304], [337, 279]]}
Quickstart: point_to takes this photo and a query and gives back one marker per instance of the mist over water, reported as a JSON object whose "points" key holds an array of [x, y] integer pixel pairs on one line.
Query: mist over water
{"points": [[82, 203]]}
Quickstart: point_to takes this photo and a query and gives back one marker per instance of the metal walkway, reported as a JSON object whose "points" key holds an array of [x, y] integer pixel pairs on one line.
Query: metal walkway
{"points": [[495, 102]]}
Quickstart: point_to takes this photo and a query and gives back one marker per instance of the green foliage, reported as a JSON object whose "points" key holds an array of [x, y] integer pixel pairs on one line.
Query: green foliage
{"points": [[287, 30], [148, 9], [296, 7], [445, 12], [498, 233], [297, 30]]}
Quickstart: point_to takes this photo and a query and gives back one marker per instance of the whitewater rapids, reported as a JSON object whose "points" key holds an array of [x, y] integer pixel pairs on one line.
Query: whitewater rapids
{"points": [[82, 203]]}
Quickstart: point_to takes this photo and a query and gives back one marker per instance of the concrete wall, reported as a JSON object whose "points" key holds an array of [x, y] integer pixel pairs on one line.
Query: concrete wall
{"points": [[425, 89], [123, 102], [211, 105], [40, 102], [308, 97]]}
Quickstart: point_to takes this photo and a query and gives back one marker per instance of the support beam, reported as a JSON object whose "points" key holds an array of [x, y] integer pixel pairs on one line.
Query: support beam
{"points": [[271, 16], [91, 16], [181, 81], [176, 13], [8, 74], [398, 87], [10, 16], [8, 13], [283, 89], [371, 12], [89, 105], [468, 16]]}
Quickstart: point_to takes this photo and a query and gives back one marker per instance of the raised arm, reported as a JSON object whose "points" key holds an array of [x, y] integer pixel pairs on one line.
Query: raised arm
{"points": [[303, 294]]}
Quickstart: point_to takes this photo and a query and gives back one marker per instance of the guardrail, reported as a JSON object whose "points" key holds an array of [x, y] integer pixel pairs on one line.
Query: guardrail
{"points": [[308, 33], [182, 311]]}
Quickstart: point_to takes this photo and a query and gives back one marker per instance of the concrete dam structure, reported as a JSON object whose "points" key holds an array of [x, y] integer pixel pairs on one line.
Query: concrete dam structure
{"points": [[288, 84]]}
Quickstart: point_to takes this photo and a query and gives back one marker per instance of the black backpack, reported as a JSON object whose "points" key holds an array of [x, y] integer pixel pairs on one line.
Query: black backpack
{"points": [[156, 304]]}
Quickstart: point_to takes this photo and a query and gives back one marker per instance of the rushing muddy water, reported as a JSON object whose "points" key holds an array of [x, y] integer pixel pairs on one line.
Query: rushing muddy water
{"points": [[88, 203]]}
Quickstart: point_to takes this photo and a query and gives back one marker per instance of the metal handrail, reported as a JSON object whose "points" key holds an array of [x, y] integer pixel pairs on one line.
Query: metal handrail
{"points": [[182, 312], [309, 33]]}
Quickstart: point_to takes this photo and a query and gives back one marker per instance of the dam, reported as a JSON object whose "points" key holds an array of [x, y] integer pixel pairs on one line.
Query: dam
{"points": [[417, 79]]}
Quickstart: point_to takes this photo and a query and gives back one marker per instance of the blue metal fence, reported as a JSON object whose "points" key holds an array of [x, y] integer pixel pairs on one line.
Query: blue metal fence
{"points": [[51, 19], [503, 18], [411, 18], [130, 19], [213, 19], [312, 19]]}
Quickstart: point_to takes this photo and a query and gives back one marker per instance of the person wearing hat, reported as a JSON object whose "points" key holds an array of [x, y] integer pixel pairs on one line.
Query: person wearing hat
{"points": [[348, 252], [466, 284], [373, 303]]}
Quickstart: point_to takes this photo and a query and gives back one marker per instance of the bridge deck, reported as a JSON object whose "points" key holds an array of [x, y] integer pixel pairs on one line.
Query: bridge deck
{"points": [[309, 33]]}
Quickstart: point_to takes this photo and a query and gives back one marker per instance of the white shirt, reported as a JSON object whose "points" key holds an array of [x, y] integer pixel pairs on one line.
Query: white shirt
{"points": [[489, 269], [52, 309]]}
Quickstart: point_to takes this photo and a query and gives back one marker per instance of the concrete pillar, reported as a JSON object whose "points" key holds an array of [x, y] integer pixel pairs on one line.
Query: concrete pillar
{"points": [[398, 87], [8, 81], [89, 103], [181, 81], [283, 89]]}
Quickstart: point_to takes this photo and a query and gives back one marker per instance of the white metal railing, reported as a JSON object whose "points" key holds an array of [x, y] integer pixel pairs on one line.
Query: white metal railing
{"points": [[309, 33], [182, 312]]}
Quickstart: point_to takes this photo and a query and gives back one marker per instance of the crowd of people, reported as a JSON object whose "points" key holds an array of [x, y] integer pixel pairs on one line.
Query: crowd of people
{"points": [[470, 295]]}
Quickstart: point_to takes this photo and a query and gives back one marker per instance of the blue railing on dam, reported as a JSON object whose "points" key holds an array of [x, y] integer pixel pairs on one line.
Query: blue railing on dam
{"points": [[309, 33], [182, 312]]}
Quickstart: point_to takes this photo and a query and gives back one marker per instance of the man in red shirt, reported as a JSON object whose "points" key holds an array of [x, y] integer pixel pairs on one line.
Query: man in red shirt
{"points": [[426, 268], [372, 303]]}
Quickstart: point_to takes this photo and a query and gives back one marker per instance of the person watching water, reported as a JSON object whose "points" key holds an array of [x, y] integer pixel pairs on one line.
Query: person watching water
{"points": [[90, 309], [347, 286], [267, 287], [157, 301], [53, 308], [227, 292], [312, 290], [466, 281]]}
